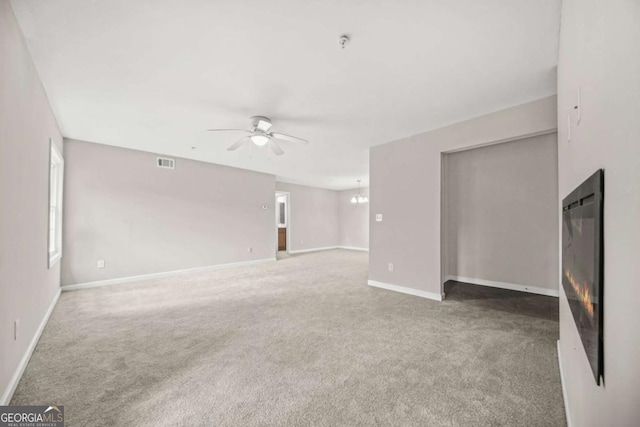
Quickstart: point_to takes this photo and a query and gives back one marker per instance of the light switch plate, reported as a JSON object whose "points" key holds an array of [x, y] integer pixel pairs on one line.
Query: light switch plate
{"points": [[101, 263], [379, 217]]}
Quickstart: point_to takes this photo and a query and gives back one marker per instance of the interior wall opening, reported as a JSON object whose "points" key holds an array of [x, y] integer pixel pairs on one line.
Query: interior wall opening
{"points": [[500, 215]]}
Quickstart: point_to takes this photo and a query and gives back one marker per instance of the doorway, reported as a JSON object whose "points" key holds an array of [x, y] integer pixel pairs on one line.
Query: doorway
{"points": [[499, 215], [283, 227]]}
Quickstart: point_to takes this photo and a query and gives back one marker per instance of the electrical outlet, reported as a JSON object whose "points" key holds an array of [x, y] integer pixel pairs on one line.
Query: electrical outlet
{"points": [[379, 217], [100, 263], [249, 250], [16, 329], [390, 266]]}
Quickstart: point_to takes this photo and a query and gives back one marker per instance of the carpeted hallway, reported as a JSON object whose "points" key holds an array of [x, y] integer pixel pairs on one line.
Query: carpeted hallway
{"points": [[302, 341]]}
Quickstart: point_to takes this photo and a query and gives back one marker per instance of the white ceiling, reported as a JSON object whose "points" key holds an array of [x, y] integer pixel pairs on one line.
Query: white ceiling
{"points": [[155, 74]]}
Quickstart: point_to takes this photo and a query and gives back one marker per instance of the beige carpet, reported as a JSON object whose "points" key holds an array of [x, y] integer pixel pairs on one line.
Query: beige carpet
{"points": [[301, 341]]}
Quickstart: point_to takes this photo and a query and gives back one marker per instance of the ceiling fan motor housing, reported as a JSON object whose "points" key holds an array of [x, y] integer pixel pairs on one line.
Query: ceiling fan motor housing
{"points": [[261, 122]]}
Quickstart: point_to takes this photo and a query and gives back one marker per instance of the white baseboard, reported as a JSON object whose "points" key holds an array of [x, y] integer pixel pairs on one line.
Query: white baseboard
{"points": [[15, 379], [405, 290], [354, 248], [131, 279], [324, 248], [564, 389], [328, 248], [503, 285]]}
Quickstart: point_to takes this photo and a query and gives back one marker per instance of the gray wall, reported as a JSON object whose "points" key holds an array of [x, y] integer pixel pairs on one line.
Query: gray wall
{"points": [[354, 219], [314, 216], [405, 185], [502, 212], [27, 286], [140, 219], [600, 52]]}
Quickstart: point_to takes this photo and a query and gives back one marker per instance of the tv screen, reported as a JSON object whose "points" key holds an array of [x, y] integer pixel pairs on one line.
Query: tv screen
{"points": [[582, 264]]}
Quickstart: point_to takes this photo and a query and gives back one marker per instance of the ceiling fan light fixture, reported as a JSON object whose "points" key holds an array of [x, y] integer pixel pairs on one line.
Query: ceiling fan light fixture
{"points": [[259, 140], [354, 200]]}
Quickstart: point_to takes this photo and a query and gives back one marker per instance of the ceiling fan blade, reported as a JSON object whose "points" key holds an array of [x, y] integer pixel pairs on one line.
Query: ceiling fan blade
{"points": [[228, 130], [290, 138], [237, 144], [277, 150]]}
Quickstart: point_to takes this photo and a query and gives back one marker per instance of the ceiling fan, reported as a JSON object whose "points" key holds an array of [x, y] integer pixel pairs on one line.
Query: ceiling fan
{"points": [[259, 135]]}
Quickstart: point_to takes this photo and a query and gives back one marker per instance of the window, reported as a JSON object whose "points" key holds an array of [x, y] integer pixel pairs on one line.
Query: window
{"points": [[56, 175]]}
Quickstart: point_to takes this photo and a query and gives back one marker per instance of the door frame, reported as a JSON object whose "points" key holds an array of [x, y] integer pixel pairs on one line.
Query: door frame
{"points": [[287, 215]]}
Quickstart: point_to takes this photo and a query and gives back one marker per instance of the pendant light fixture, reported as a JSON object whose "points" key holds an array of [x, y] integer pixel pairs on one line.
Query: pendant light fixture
{"points": [[359, 198]]}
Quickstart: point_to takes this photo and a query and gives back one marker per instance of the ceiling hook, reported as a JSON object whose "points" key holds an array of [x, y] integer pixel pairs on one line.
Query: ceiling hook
{"points": [[344, 40]]}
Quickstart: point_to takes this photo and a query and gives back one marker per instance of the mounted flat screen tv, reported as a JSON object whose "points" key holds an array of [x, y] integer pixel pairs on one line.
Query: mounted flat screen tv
{"points": [[582, 265]]}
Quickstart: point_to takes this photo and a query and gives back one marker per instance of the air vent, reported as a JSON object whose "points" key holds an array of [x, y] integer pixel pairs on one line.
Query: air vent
{"points": [[163, 162]]}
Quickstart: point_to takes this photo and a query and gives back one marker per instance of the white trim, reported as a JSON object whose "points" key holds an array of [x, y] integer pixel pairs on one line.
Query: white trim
{"points": [[405, 290], [328, 248], [324, 248], [17, 375], [504, 285], [55, 159], [353, 248], [564, 390], [130, 279], [54, 257], [504, 140]]}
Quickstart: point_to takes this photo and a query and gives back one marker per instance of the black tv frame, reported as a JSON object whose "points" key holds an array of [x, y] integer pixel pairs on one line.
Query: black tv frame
{"points": [[590, 191]]}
